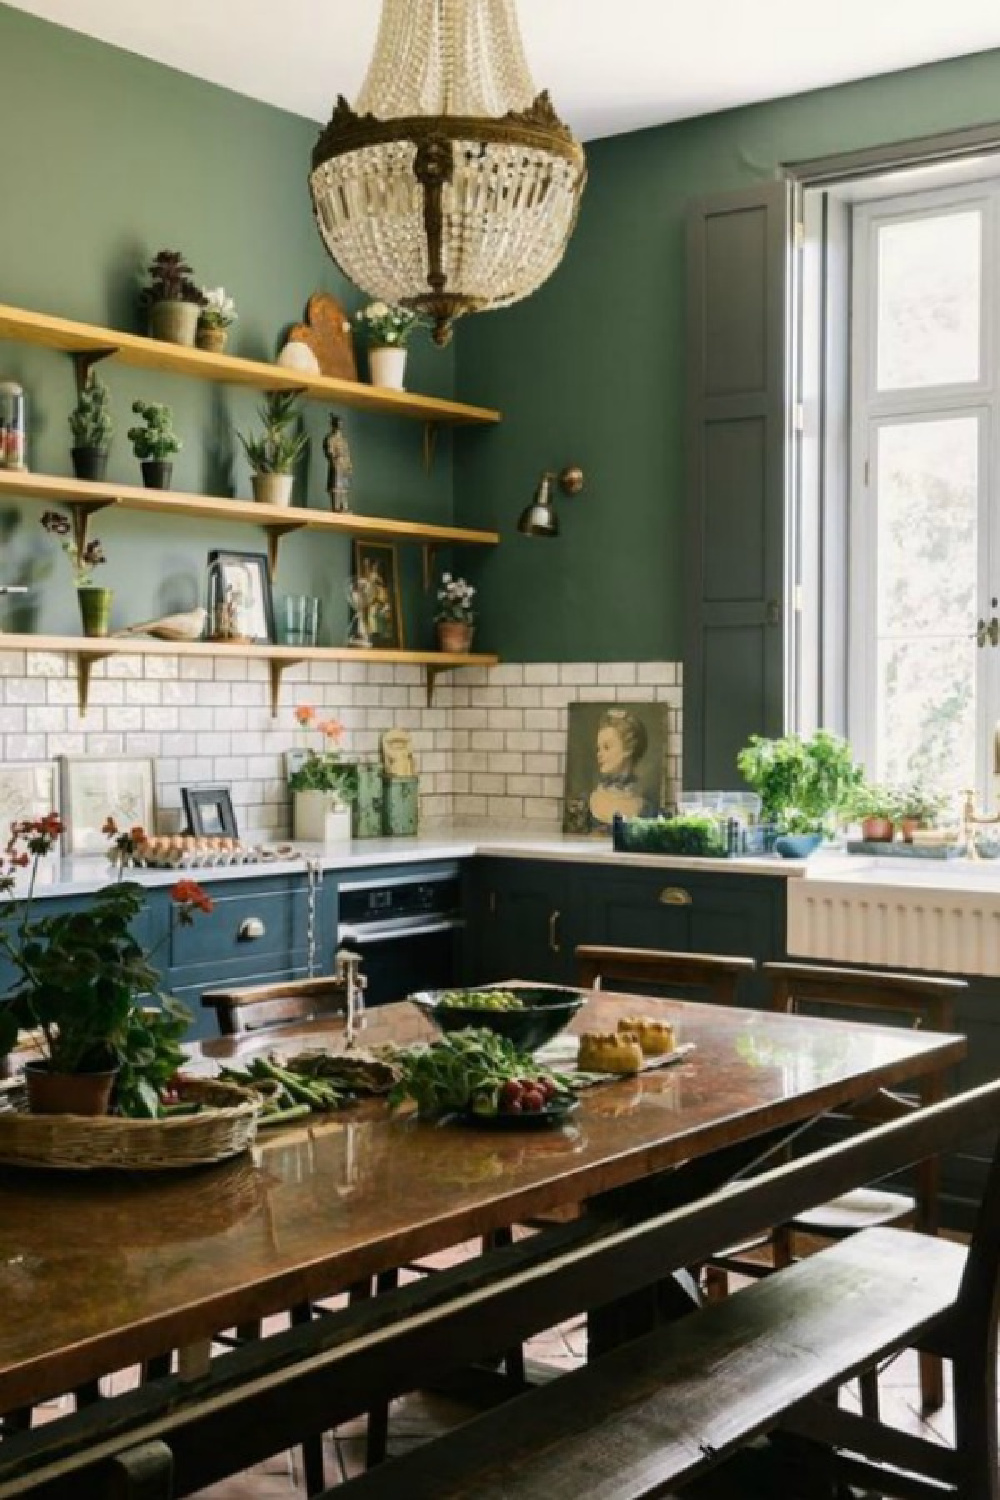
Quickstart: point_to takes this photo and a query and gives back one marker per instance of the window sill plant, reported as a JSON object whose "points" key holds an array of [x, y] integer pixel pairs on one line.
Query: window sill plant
{"points": [[806, 786], [172, 301], [85, 987], [323, 786], [455, 617], [215, 320], [94, 600], [387, 330], [91, 425], [273, 453], [154, 443]]}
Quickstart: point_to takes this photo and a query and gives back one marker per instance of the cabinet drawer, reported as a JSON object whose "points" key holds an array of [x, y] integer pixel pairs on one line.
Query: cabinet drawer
{"points": [[250, 927]]}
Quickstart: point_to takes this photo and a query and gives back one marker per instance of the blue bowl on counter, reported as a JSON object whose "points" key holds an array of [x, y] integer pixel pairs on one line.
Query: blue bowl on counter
{"points": [[797, 845], [546, 1010]]}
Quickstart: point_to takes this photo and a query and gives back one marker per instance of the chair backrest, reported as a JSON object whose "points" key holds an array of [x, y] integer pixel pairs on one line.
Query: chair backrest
{"points": [[713, 976], [258, 1007]]}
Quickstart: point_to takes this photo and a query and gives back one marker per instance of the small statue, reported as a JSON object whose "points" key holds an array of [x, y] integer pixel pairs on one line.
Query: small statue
{"points": [[359, 597], [338, 465]]}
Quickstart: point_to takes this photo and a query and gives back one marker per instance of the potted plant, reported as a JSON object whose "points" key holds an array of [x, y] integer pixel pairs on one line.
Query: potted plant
{"points": [[806, 786], [215, 319], [154, 443], [83, 986], [322, 785], [876, 807], [91, 425], [95, 601], [917, 807], [387, 330], [172, 300], [455, 618], [273, 453]]}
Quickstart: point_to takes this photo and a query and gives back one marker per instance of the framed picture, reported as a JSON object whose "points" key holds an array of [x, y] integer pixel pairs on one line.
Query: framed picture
{"points": [[209, 811], [615, 763], [376, 586], [95, 788], [29, 789], [239, 597]]}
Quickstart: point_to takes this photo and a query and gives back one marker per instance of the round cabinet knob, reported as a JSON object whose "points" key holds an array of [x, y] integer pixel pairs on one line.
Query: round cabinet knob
{"points": [[250, 929]]}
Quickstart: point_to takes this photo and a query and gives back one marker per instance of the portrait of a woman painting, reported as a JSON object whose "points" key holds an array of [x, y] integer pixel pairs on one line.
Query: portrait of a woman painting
{"points": [[614, 764]]}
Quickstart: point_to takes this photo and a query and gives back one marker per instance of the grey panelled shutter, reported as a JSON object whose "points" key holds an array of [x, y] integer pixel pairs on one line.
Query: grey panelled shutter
{"points": [[737, 447]]}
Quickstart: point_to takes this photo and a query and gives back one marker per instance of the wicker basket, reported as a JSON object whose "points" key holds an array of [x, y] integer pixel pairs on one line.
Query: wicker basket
{"points": [[83, 1143]]}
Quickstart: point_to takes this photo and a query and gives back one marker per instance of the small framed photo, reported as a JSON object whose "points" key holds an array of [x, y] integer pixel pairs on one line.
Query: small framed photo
{"points": [[615, 763], [240, 608], [29, 789], [209, 812], [95, 788], [376, 591]]}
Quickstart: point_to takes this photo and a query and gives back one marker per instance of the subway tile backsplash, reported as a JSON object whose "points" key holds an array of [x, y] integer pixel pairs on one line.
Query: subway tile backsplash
{"points": [[491, 748]]}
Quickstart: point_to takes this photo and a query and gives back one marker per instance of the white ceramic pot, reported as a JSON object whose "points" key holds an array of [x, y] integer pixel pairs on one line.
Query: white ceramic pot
{"points": [[273, 489], [387, 365], [317, 818]]}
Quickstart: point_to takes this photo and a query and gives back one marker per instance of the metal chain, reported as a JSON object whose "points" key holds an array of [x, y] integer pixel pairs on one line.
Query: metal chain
{"points": [[314, 869]]}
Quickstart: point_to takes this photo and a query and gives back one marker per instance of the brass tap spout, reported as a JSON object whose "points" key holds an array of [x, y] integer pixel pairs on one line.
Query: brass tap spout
{"points": [[971, 820]]}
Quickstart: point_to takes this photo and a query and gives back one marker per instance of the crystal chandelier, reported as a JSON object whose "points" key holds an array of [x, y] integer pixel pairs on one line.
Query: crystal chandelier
{"points": [[453, 187]]}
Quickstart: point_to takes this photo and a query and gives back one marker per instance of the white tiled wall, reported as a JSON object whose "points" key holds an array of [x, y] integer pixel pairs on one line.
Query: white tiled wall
{"points": [[490, 748]]}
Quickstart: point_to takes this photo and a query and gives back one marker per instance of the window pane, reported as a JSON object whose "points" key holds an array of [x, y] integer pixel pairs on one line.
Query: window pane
{"points": [[928, 301], [927, 541]]}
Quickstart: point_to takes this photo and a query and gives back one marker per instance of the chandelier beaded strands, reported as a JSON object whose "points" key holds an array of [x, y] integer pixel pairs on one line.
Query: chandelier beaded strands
{"points": [[452, 187]]}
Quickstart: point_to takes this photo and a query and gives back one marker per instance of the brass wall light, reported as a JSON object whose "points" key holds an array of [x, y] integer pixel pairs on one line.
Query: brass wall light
{"points": [[539, 518]]}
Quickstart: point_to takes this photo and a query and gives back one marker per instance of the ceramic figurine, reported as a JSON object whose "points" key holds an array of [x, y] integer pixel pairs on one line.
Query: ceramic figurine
{"points": [[339, 466]]}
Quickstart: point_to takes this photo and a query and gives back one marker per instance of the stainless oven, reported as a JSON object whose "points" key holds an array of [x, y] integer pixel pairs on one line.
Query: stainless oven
{"points": [[408, 930]]}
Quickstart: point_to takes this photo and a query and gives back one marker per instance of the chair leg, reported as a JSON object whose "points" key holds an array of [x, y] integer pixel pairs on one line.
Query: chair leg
{"points": [[716, 1284], [513, 1359], [88, 1394], [868, 1386], [931, 1383], [784, 1250], [157, 1368], [313, 1467], [377, 1439]]}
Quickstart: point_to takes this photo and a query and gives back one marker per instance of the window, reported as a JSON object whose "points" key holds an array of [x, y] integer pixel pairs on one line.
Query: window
{"points": [[924, 506]]}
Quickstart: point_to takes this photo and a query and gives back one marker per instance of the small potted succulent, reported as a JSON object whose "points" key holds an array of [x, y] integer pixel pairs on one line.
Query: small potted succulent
{"points": [[215, 320], [84, 556], [387, 330], [806, 786], [154, 443], [172, 300], [91, 425], [455, 618], [273, 453]]}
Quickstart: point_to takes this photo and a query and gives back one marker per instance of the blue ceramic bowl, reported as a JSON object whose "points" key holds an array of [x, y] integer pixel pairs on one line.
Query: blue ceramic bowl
{"points": [[797, 845]]}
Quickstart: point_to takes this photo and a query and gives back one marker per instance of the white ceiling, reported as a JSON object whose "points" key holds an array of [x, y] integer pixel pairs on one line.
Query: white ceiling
{"points": [[610, 65]]}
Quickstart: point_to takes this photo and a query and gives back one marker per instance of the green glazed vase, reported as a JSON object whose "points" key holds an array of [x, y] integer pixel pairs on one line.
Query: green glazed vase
{"points": [[95, 610]]}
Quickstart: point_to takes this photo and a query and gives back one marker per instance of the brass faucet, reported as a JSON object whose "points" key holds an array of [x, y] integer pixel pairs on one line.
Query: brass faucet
{"points": [[348, 973], [971, 820]]}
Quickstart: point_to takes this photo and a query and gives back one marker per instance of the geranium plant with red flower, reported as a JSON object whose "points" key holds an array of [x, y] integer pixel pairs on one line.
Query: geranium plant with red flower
{"points": [[86, 990]]}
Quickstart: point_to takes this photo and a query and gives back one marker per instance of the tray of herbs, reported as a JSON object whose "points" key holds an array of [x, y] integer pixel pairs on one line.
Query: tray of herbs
{"points": [[477, 1077]]}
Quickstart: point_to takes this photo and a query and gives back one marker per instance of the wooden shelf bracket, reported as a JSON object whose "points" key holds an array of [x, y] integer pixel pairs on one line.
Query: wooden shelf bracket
{"points": [[431, 430], [278, 666], [84, 662], [275, 531], [85, 360]]}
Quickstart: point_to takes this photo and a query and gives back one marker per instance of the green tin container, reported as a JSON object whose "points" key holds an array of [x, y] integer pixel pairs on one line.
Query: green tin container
{"points": [[401, 813], [369, 804]]}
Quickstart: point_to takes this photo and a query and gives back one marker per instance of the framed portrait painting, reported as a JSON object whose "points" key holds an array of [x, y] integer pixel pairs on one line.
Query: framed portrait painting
{"points": [[376, 594], [95, 788], [615, 763]]}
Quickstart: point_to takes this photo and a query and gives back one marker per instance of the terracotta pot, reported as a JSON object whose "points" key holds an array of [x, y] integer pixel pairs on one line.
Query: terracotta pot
{"points": [[273, 489], [908, 827], [95, 609], [175, 322], [68, 1093], [212, 340], [90, 463], [454, 635], [877, 830]]}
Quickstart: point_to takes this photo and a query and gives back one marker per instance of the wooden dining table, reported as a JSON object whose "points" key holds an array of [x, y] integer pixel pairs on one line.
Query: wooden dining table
{"points": [[99, 1271]]}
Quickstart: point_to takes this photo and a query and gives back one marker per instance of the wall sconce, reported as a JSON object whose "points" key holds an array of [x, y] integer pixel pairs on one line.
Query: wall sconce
{"points": [[539, 518]]}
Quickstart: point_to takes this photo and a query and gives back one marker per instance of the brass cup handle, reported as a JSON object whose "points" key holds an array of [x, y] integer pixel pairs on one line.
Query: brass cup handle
{"points": [[554, 944], [250, 929], [674, 895]]}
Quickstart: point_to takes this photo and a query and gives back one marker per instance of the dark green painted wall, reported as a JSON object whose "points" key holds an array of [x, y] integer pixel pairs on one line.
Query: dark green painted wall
{"points": [[591, 369], [108, 158]]}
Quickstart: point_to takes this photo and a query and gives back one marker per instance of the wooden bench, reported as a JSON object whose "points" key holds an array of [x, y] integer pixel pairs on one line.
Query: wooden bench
{"points": [[637, 1421]]}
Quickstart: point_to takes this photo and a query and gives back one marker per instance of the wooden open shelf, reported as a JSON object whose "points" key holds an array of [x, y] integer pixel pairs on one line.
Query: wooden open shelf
{"points": [[91, 343], [85, 498], [90, 649]]}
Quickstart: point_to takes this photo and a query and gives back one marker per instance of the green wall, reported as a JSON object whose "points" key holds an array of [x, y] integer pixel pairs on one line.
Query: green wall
{"points": [[591, 369], [109, 158]]}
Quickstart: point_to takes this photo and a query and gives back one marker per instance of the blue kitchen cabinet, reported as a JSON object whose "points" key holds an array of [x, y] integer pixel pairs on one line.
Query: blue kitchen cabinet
{"points": [[523, 918]]}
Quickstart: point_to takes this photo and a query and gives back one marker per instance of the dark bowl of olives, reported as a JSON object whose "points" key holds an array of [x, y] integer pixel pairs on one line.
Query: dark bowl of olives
{"points": [[529, 1015]]}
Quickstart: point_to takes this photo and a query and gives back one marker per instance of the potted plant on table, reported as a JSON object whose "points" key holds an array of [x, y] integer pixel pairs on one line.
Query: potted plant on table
{"points": [[172, 300], [273, 453], [322, 785], [387, 330], [91, 425], [455, 617], [806, 786], [84, 556], [84, 984], [215, 320], [154, 443]]}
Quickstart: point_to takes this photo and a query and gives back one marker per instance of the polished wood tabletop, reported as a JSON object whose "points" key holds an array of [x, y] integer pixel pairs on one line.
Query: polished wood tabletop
{"points": [[97, 1271]]}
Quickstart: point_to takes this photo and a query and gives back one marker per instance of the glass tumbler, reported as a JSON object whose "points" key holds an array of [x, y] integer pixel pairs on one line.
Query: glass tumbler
{"points": [[299, 619]]}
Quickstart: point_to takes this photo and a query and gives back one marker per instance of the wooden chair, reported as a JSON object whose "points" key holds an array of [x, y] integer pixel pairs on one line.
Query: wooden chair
{"points": [[919, 1001], [714, 977], [261, 1007]]}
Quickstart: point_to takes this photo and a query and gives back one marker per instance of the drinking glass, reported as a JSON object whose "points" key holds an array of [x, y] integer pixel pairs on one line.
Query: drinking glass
{"points": [[298, 615]]}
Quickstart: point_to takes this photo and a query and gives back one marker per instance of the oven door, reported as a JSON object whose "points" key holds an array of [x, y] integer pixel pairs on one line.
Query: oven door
{"points": [[400, 957]]}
